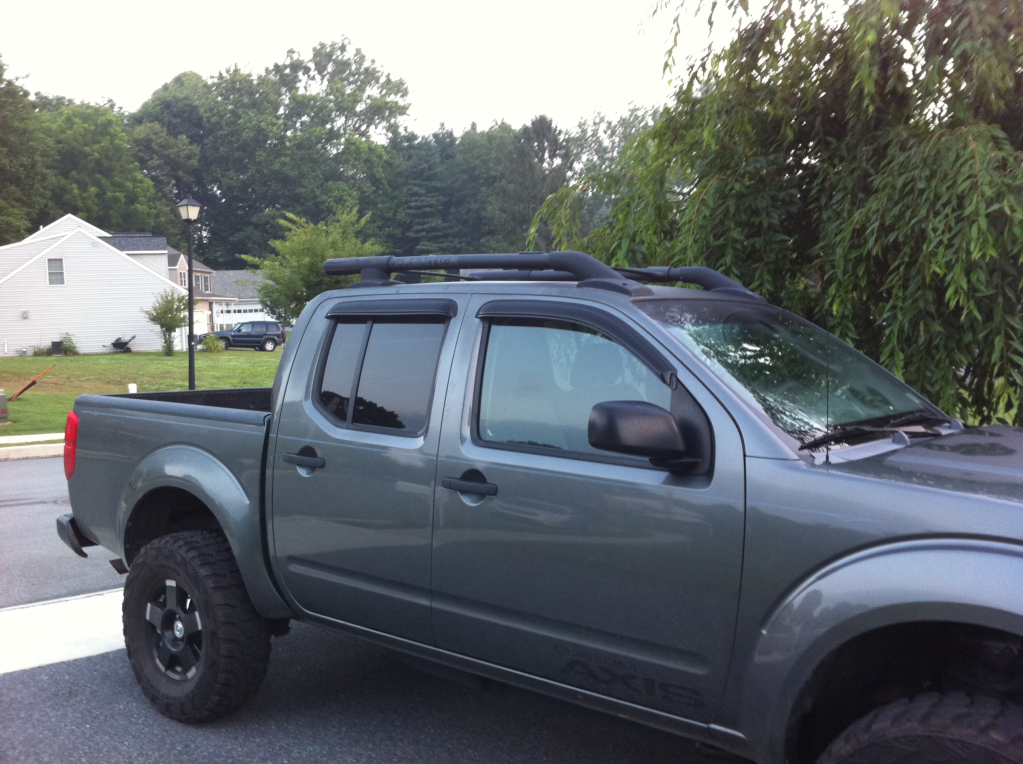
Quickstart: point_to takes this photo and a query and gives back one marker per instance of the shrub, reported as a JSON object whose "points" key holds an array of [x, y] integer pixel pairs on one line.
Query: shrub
{"points": [[169, 312], [42, 350], [212, 344], [67, 344]]}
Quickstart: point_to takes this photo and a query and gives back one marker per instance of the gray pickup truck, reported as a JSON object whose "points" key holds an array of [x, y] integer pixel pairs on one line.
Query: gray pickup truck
{"points": [[681, 506]]}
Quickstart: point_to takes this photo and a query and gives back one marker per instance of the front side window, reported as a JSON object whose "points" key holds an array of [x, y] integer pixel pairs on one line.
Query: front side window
{"points": [[55, 271], [542, 377], [387, 366], [245, 328]]}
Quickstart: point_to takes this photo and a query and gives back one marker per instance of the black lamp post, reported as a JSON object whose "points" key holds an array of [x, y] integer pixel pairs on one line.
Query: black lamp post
{"points": [[189, 209]]}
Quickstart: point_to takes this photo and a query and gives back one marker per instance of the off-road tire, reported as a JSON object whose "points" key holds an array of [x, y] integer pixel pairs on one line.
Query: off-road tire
{"points": [[933, 728], [268, 345], [228, 647]]}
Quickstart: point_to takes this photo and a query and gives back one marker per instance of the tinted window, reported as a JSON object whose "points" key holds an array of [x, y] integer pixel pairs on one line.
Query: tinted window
{"points": [[339, 372], [396, 381], [541, 378]]}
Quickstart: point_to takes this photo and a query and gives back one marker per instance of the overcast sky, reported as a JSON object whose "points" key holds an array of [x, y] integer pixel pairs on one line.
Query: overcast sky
{"points": [[464, 61]]}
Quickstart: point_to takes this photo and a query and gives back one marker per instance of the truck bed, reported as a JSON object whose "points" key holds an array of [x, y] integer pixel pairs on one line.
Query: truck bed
{"points": [[246, 398]]}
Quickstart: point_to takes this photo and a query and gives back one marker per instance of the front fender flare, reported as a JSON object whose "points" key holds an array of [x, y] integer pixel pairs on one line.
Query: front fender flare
{"points": [[204, 476], [955, 579]]}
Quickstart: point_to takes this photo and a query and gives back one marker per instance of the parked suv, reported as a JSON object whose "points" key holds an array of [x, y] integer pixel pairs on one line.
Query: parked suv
{"points": [[261, 335]]}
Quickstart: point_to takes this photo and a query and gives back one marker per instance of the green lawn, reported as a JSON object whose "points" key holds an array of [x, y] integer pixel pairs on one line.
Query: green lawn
{"points": [[44, 407]]}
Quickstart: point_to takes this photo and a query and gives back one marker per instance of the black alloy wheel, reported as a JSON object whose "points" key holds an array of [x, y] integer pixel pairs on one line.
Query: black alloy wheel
{"points": [[176, 630]]}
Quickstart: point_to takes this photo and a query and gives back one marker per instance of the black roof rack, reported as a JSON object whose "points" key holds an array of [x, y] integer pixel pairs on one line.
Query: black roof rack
{"points": [[533, 266]]}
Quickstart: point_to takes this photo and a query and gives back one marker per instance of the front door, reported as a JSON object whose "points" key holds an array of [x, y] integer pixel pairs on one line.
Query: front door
{"points": [[589, 569], [354, 463]]}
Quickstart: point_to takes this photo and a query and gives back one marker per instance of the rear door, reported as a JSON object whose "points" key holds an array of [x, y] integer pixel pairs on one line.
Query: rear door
{"points": [[579, 566], [354, 461]]}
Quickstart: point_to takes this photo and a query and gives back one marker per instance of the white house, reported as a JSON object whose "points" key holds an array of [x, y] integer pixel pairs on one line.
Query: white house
{"points": [[72, 277]]}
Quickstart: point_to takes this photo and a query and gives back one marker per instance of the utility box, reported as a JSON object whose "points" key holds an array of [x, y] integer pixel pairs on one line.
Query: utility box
{"points": [[3, 408], [57, 347]]}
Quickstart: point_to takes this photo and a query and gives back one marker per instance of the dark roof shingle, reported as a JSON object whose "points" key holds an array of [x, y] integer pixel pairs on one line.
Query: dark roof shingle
{"points": [[239, 284], [136, 242]]}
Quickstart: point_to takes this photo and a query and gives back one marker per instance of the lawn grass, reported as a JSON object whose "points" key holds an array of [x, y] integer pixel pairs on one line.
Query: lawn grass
{"points": [[44, 408]]}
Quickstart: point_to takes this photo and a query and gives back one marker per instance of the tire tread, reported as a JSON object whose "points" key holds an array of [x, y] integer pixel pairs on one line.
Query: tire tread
{"points": [[980, 723]]}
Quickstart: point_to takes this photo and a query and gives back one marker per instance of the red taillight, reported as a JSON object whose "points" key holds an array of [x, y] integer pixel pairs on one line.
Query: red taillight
{"points": [[70, 443]]}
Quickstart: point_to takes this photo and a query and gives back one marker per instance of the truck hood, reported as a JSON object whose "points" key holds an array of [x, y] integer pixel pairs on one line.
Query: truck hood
{"points": [[985, 461]]}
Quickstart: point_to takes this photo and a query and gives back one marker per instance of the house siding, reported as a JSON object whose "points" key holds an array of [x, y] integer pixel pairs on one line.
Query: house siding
{"points": [[66, 224], [157, 263], [90, 305], [13, 256]]}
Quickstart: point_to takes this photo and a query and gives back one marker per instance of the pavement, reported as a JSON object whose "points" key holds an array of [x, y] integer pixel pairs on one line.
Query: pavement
{"points": [[328, 697], [31, 446]]}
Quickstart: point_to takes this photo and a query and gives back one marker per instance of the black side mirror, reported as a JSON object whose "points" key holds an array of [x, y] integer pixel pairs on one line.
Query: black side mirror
{"points": [[639, 428]]}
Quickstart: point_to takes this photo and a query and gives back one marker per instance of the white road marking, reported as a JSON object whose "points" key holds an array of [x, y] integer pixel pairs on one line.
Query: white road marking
{"points": [[60, 630]]}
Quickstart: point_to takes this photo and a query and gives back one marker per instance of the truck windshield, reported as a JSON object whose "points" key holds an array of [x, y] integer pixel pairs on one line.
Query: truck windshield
{"points": [[781, 364]]}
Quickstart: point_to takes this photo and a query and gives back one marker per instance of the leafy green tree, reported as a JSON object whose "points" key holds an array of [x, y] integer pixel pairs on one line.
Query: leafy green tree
{"points": [[304, 136], [94, 174], [421, 223], [24, 156], [596, 145], [860, 168], [169, 312], [170, 163], [539, 166], [294, 273], [482, 160], [178, 105]]}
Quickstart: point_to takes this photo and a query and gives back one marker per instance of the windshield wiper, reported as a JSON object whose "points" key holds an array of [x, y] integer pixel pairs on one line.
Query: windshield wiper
{"points": [[917, 417], [851, 431], [843, 433]]}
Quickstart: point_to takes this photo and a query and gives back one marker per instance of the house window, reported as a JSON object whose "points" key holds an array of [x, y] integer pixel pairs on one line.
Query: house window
{"points": [[202, 282], [55, 271], [183, 278]]}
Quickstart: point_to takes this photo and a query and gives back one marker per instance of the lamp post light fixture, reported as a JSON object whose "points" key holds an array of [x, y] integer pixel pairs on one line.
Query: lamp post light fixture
{"points": [[189, 209]]}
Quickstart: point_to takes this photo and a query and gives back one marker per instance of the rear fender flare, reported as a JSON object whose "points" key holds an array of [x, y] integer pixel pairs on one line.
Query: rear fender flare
{"points": [[204, 476], [953, 580]]}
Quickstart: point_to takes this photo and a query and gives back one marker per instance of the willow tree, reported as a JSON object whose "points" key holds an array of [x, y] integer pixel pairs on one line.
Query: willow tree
{"points": [[862, 168]]}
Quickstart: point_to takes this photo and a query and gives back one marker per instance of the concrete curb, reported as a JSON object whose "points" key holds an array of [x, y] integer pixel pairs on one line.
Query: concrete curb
{"points": [[34, 451]]}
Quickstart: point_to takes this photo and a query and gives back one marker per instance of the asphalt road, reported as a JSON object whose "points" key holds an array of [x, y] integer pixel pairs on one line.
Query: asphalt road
{"points": [[328, 697], [34, 564]]}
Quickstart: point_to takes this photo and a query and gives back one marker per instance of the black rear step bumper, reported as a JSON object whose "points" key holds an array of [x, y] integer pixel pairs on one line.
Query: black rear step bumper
{"points": [[72, 535]]}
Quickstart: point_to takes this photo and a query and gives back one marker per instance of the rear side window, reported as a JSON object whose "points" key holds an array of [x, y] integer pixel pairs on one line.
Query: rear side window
{"points": [[387, 366]]}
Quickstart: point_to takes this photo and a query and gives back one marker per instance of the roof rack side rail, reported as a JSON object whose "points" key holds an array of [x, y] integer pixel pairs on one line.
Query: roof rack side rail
{"points": [[588, 271], [523, 276], [708, 278]]}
